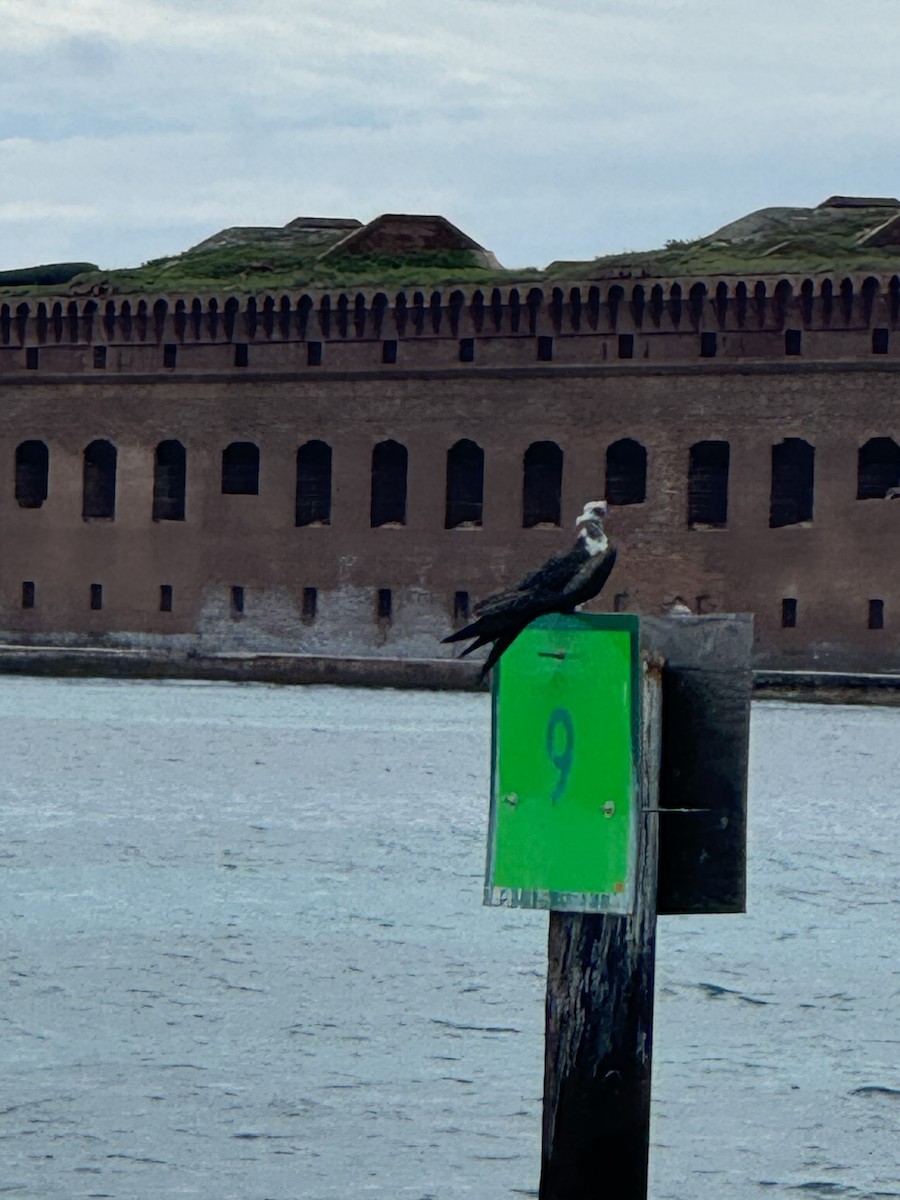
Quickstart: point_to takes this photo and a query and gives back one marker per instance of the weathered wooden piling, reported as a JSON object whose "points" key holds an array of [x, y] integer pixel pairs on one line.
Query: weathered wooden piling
{"points": [[599, 1021]]}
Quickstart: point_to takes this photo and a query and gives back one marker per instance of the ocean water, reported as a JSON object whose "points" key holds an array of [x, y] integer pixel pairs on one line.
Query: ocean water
{"points": [[244, 956]]}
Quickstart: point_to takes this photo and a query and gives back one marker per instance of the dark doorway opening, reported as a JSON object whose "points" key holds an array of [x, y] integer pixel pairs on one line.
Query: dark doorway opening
{"points": [[32, 473], [626, 472], [169, 477], [878, 468], [708, 485], [99, 492], [240, 469], [793, 469], [465, 485], [313, 499], [542, 485], [389, 468]]}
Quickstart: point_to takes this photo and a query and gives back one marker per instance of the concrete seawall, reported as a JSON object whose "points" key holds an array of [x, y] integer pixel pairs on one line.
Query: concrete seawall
{"points": [[433, 674], [430, 674]]}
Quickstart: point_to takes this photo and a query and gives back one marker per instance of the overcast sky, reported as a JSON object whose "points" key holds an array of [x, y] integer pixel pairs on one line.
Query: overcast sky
{"points": [[564, 129]]}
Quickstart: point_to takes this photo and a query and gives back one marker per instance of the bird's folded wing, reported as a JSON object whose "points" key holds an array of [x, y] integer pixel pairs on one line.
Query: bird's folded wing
{"points": [[589, 579], [555, 573], [550, 579]]}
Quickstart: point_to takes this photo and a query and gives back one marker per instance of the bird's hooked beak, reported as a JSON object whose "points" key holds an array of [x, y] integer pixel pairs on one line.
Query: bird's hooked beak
{"points": [[590, 527], [593, 511]]}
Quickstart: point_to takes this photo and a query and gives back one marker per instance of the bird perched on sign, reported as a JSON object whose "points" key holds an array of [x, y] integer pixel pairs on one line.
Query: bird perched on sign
{"points": [[564, 581]]}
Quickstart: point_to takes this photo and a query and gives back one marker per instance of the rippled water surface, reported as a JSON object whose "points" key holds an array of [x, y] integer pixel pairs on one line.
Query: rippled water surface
{"points": [[245, 957]]}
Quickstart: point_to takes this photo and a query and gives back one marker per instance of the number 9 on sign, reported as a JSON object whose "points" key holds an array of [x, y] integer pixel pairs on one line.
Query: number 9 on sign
{"points": [[560, 748]]}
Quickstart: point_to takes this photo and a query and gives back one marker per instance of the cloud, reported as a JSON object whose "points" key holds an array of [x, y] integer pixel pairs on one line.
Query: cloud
{"points": [[557, 129]]}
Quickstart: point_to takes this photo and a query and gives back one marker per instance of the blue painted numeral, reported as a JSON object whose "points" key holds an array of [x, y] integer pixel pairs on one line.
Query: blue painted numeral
{"points": [[560, 754]]}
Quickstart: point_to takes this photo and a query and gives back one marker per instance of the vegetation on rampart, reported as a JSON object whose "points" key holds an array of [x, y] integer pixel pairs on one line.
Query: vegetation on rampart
{"points": [[46, 275], [773, 241]]}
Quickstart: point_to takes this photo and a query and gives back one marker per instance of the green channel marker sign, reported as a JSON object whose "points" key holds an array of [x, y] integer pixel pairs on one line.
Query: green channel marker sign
{"points": [[566, 722]]}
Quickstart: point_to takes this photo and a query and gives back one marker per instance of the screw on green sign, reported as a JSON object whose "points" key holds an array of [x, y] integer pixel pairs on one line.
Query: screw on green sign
{"points": [[563, 813]]}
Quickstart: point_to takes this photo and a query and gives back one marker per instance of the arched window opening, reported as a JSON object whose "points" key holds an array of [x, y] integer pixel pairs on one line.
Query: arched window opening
{"points": [[99, 492], [496, 309], [807, 299], [32, 471], [557, 308], [879, 468], [593, 308], [304, 308], [465, 485], [722, 304], [250, 318], [389, 467], [454, 309], [614, 298], [827, 301], [759, 299], [160, 311], [169, 476], [847, 300], [697, 300], [657, 304], [268, 317], [418, 313], [515, 310], [638, 301], [782, 300], [793, 468], [740, 303], [196, 319], [22, 311], [142, 320], [894, 294], [284, 318], [708, 485], [400, 314], [231, 311], [180, 321], [870, 290], [675, 301], [542, 485], [343, 314], [476, 310], [533, 302], [240, 469], [313, 502], [626, 472]]}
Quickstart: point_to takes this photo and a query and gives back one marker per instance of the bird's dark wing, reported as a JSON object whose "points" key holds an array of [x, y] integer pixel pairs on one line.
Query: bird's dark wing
{"points": [[555, 572], [589, 580], [552, 577], [518, 610], [500, 646], [562, 583]]}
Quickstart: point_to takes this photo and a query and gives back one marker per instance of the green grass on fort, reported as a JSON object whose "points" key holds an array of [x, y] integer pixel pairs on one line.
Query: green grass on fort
{"points": [[260, 266]]}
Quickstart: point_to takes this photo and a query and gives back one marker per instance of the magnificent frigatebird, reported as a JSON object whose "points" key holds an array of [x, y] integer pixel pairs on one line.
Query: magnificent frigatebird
{"points": [[564, 581]]}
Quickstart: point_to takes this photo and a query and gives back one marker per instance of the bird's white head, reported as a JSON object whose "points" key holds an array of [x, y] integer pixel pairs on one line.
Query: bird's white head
{"points": [[590, 527]]}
